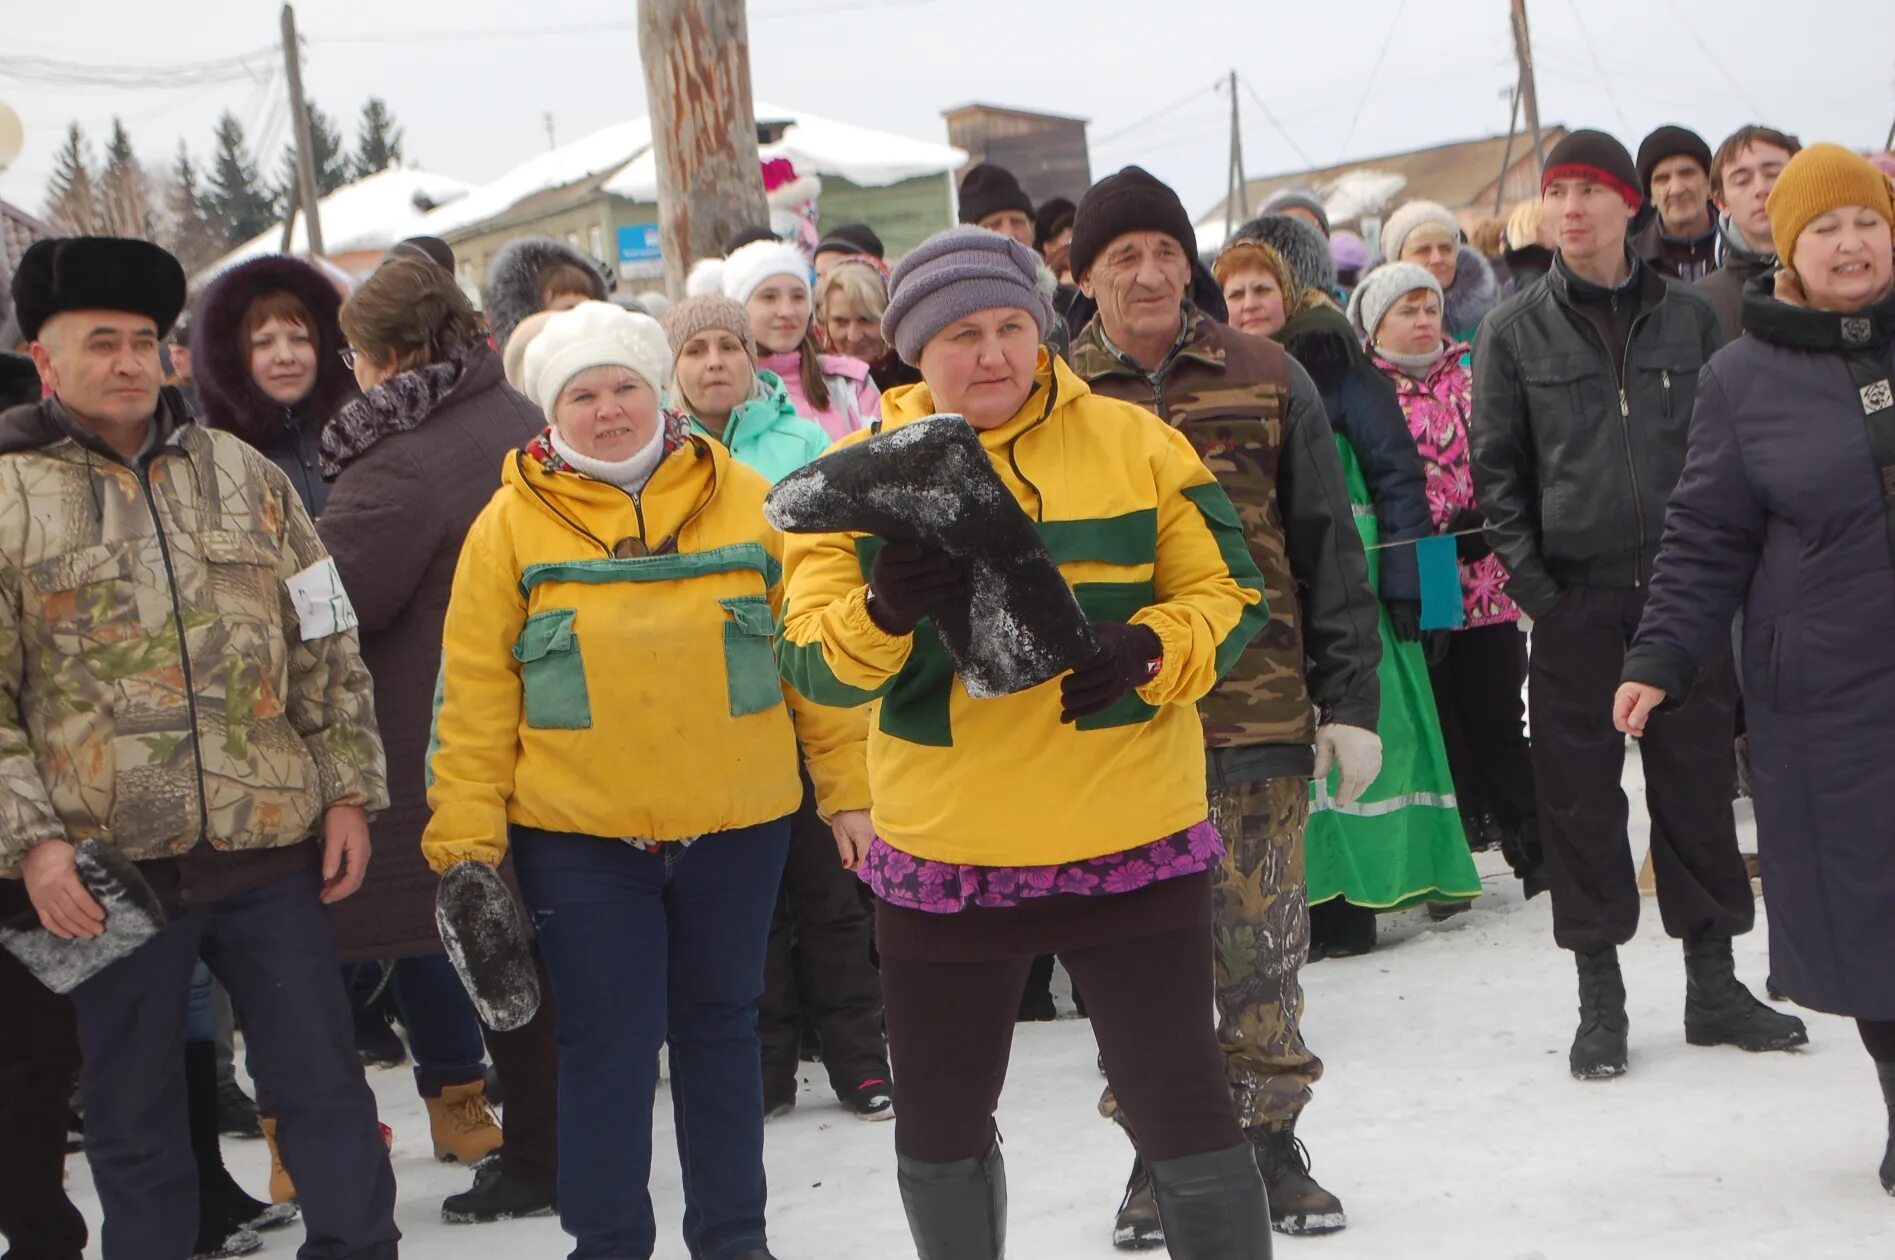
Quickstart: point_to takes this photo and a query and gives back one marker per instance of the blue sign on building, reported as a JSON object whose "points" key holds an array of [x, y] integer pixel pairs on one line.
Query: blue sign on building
{"points": [[639, 243]]}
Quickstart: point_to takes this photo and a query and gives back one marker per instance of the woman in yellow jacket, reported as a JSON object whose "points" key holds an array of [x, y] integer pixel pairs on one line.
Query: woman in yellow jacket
{"points": [[1069, 818], [610, 711]]}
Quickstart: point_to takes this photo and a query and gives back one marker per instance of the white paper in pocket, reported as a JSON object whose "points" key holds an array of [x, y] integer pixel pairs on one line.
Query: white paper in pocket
{"points": [[322, 605]]}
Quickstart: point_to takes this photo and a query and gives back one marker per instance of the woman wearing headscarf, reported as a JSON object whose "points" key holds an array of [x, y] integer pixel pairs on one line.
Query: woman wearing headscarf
{"points": [[1782, 514], [1088, 836]]}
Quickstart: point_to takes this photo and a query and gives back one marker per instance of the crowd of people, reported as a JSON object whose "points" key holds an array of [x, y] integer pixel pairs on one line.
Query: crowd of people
{"points": [[698, 622]]}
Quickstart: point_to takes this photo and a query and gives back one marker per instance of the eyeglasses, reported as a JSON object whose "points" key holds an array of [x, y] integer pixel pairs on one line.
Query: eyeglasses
{"points": [[348, 357]]}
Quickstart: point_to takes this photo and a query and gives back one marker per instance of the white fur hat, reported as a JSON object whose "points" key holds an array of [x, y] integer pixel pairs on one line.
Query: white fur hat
{"points": [[1412, 216], [747, 269], [594, 334]]}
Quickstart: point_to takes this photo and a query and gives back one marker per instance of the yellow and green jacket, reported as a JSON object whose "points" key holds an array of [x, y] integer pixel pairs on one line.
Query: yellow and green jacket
{"points": [[1145, 535], [607, 664]]}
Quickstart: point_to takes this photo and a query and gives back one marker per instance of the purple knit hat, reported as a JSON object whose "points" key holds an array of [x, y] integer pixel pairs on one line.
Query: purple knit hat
{"points": [[951, 275]]}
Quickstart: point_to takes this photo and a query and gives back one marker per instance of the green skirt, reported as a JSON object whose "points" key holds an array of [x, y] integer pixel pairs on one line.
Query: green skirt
{"points": [[1402, 843]]}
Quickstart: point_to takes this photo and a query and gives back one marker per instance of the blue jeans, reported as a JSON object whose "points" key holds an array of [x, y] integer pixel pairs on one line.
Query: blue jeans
{"points": [[645, 948], [443, 1028]]}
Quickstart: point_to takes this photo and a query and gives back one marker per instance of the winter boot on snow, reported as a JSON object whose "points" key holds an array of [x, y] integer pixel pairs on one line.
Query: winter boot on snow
{"points": [[227, 1218], [1213, 1206], [1298, 1205], [497, 1196], [463, 1124], [1137, 1228], [1599, 1050], [1720, 1011], [1887, 1072], [282, 1189], [956, 1211], [236, 1114]]}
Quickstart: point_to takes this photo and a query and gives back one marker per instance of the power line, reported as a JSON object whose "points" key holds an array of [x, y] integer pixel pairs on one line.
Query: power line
{"points": [[1369, 87], [1272, 120], [1592, 51], [1755, 110], [1194, 95], [54, 72], [593, 28]]}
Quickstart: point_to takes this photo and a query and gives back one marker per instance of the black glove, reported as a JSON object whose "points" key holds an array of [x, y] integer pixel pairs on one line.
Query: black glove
{"points": [[1405, 616], [907, 581], [1434, 646], [1471, 547], [1122, 664]]}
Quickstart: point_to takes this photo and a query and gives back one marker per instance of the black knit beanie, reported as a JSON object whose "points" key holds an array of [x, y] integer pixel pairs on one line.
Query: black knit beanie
{"points": [[1130, 201], [427, 248], [1053, 218], [852, 238], [1670, 141], [1595, 155], [989, 189]]}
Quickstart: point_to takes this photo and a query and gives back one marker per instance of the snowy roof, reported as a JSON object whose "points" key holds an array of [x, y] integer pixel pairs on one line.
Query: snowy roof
{"points": [[817, 145], [372, 213]]}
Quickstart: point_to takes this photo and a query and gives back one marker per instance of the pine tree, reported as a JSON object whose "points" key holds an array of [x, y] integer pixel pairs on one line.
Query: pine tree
{"points": [[188, 231], [377, 139], [124, 192], [236, 202], [72, 201]]}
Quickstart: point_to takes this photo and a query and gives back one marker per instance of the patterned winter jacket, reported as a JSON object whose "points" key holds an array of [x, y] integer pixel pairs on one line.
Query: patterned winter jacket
{"points": [[1438, 406], [109, 726], [1256, 420]]}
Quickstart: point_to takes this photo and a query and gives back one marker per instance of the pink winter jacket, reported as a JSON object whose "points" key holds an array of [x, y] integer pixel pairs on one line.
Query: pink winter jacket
{"points": [[854, 402], [1438, 406]]}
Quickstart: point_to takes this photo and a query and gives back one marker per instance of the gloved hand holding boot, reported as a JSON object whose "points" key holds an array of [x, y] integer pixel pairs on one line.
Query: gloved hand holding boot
{"points": [[1128, 658]]}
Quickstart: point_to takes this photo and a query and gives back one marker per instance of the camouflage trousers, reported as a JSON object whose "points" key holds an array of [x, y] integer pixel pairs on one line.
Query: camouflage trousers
{"points": [[1260, 918]]}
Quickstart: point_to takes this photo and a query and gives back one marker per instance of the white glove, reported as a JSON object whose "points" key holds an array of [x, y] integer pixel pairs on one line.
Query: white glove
{"points": [[1357, 751]]}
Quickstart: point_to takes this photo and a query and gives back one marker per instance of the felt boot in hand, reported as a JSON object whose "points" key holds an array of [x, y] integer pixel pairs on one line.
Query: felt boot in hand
{"points": [[956, 1211], [1137, 1227], [227, 1218], [1298, 1205], [1599, 1050], [1887, 1072], [463, 1124], [1213, 1206], [488, 945], [1720, 1011]]}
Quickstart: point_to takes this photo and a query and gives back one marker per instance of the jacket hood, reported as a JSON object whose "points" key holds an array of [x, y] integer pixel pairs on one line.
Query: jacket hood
{"points": [[1475, 291], [1734, 251], [513, 281], [19, 380], [693, 466], [1770, 318], [227, 395]]}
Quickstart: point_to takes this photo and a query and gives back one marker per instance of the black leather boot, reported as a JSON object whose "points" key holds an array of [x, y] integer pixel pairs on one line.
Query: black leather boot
{"points": [[1887, 1072], [1720, 1011], [1599, 1047], [956, 1211], [1213, 1206]]}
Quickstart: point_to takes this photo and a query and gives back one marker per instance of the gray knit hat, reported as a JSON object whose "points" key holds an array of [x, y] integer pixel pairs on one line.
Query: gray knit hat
{"points": [[1301, 245], [708, 310], [1303, 198], [951, 275], [1381, 289]]}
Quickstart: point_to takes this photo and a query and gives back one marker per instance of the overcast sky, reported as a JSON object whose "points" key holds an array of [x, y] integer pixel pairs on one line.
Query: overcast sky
{"points": [[471, 80]]}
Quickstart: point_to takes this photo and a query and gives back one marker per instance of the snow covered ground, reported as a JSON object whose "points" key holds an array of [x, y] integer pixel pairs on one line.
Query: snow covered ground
{"points": [[1446, 1121]]}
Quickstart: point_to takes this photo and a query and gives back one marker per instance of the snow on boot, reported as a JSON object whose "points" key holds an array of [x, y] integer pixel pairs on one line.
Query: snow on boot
{"points": [[133, 916], [238, 1242], [463, 1124], [1599, 1050], [1298, 1205], [1887, 1072], [223, 1209], [481, 928], [931, 482], [282, 1190], [956, 1211], [1720, 1011], [1137, 1227], [496, 1196], [1214, 1206]]}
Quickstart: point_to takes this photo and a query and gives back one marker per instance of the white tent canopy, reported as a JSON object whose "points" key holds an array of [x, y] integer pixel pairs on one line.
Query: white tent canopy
{"points": [[372, 213]]}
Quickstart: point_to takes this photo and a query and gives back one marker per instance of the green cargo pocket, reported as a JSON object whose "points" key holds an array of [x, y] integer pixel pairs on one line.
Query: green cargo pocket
{"points": [[750, 656], [552, 673]]}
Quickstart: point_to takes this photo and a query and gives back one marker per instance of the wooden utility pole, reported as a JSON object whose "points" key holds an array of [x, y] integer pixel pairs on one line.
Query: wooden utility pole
{"points": [[1529, 95], [1237, 201], [696, 55], [299, 112], [1506, 156]]}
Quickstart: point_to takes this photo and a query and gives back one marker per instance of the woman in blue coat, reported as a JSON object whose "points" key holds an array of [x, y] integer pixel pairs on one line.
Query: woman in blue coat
{"points": [[1785, 511]]}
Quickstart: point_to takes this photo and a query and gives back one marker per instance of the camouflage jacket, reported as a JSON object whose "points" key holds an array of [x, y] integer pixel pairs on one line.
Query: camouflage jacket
{"points": [[1257, 421], [155, 685]]}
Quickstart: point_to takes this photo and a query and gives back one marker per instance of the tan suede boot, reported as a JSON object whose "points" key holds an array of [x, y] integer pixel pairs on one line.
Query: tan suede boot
{"points": [[463, 1124], [282, 1190]]}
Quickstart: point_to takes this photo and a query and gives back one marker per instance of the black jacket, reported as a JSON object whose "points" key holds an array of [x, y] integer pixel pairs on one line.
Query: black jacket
{"points": [[1575, 459], [1682, 258]]}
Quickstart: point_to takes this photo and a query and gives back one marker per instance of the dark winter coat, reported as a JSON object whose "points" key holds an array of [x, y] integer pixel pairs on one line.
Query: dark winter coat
{"points": [[1781, 511], [420, 456], [1682, 258], [513, 281], [19, 380], [1525, 265], [1737, 267], [1362, 406], [228, 395], [1577, 443], [1475, 292]]}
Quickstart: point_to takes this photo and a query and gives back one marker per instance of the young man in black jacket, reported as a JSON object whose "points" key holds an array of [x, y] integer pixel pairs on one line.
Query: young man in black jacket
{"points": [[1583, 393]]}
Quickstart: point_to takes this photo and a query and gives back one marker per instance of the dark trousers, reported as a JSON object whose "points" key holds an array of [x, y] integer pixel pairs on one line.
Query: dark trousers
{"points": [[1477, 691], [273, 949], [820, 968], [443, 1029], [645, 948], [39, 1056], [1578, 757], [1151, 1001], [527, 1061]]}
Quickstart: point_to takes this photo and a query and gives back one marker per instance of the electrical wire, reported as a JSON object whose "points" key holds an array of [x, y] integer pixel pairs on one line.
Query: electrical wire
{"points": [[1756, 111], [1155, 115], [1271, 118], [1369, 87], [1612, 98], [594, 28], [55, 72]]}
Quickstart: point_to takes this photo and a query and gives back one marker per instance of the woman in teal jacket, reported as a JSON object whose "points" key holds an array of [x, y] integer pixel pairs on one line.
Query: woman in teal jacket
{"points": [[717, 383]]}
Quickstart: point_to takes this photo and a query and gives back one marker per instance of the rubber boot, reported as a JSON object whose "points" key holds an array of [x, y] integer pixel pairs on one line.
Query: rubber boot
{"points": [[1137, 1228], [225, 1214], [1298, 1205], [1887, 1072], [1720, 1011], [1599, 1047], [956, 1211], [1213, 1206], [462, 1124]]}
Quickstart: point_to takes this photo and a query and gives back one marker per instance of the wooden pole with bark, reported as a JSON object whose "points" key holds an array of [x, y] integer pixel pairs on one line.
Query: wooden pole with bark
{"points": [[696, 56]]}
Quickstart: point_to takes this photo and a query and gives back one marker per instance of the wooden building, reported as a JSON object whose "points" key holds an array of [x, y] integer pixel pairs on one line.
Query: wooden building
{"points": [[1047, 153]]}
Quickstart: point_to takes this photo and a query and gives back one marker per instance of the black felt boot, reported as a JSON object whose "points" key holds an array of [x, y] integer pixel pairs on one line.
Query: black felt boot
{"points": [[481, 928], [1887, 1072], [1720, 1011], [227, 1218], [1599, 1047], [133, 916], [1213, 1206], [956, 1211]]}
